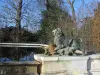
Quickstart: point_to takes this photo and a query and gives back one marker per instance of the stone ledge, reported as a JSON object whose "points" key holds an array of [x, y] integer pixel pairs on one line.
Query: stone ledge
{"points": [[41, 57], [20, 63]]}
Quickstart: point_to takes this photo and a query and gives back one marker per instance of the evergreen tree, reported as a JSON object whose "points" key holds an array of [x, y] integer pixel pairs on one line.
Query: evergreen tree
{"points": [[53, 17]]}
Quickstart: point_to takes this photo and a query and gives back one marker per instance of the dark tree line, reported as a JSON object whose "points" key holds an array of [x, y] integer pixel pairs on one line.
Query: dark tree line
{"points": [[8, 36]]}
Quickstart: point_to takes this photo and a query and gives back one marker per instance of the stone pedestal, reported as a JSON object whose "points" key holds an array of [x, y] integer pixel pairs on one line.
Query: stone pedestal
{"points": [[69, 65], [20, 68]]}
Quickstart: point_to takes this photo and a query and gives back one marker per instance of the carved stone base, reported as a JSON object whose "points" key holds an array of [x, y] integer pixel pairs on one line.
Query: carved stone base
{"points": [[69, 65]]}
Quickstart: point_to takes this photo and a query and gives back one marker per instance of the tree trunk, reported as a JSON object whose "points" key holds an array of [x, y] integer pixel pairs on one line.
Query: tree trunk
{"points": [[18, 21], [73, 15], [47, 4], [18, 26]]}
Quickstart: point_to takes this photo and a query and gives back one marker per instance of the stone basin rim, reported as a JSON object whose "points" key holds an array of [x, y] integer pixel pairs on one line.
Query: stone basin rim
{"points": [[41, 57]]}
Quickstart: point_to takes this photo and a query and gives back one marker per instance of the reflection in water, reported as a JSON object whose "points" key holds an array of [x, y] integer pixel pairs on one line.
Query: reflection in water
{"points": [[28, 58], [22, 54], [25, 58], [5, 60]]}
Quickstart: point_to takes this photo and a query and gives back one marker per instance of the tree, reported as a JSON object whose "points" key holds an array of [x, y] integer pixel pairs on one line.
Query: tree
{"points": [[13, 14], [71, 3], [19, 13], [96, 28], [85, 34], [72, 9], [54, 16], [18, 20], [85, 10]]}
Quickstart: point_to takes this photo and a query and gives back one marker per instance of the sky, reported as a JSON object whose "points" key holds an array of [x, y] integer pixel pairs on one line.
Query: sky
{"points": [[35, 13], [82, 8], [77, 5]]}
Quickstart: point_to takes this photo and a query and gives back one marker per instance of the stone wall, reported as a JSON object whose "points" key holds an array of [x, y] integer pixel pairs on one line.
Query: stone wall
{"points": [[19, 68], [69, 65]]}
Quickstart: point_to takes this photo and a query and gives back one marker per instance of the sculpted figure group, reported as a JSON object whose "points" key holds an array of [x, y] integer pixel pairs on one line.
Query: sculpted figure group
{"points": [[62, 45]]}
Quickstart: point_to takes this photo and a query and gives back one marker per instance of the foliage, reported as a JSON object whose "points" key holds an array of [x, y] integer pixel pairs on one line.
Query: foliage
{"points": [[53, 17], [85, 33], [8, 35], [96, 28]]}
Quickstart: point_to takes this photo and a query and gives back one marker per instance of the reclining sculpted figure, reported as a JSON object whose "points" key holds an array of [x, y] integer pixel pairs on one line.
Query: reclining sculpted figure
{"points": [[60, 41], [62, 46], [58, 38]]}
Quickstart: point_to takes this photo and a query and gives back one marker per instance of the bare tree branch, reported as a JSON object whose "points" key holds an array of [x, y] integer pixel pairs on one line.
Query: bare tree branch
{"points": [[68, 1], [73, 1], [12, 4]]}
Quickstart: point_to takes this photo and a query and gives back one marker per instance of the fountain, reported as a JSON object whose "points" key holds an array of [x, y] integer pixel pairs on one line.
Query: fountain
{"points": [[68, 58]]}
